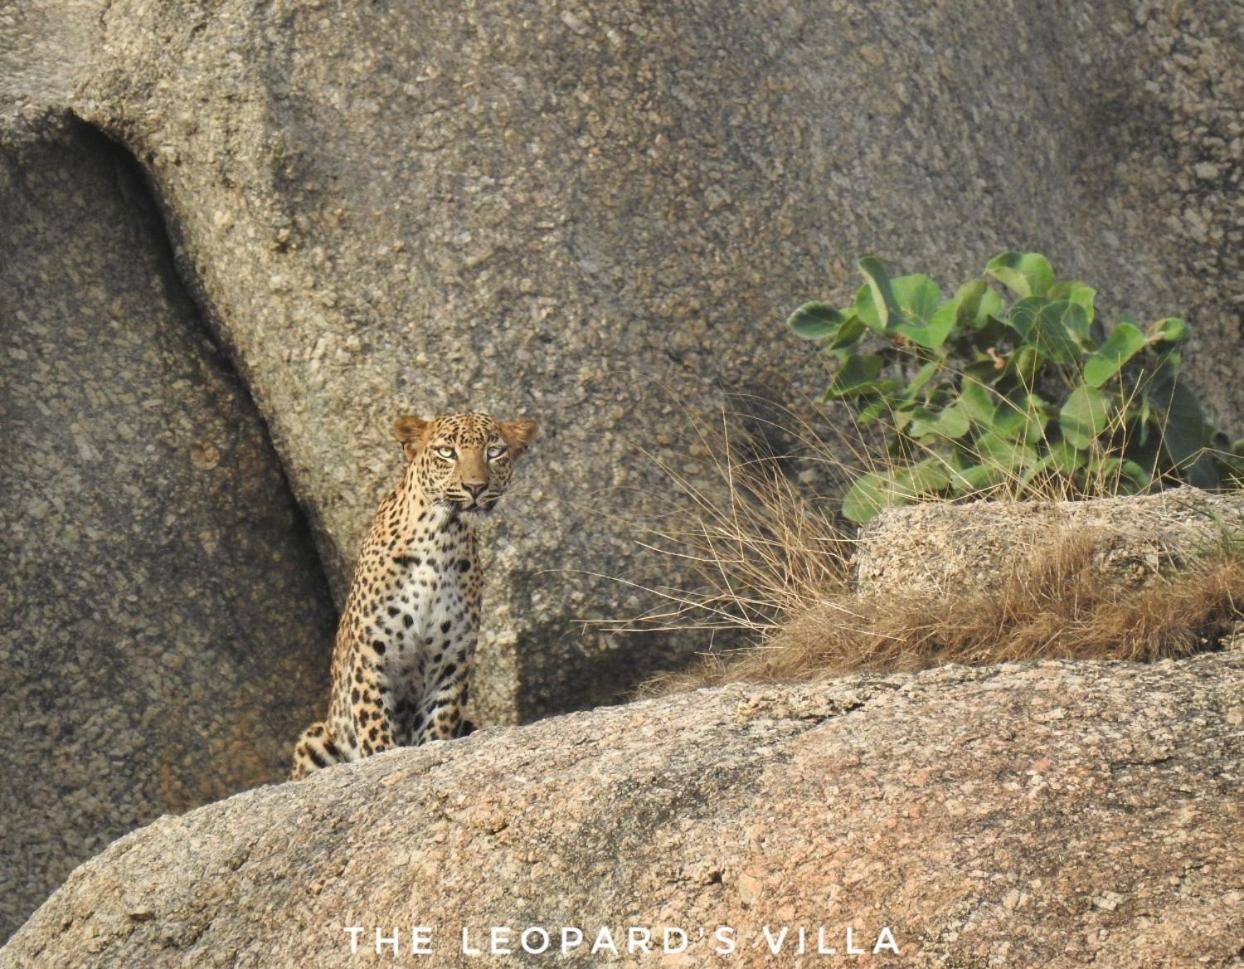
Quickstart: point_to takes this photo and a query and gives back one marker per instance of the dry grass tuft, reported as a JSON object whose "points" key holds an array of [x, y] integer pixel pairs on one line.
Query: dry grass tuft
{"points": [[773, 570], [1057, 604], [756, 551]]}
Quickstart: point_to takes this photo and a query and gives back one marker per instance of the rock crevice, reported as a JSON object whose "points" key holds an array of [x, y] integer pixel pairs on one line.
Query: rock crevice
{"points": [[170, 624]]}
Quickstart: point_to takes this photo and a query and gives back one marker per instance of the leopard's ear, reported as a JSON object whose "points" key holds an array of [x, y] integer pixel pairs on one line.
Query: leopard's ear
{"points": [[412, 432], [518, 434]]}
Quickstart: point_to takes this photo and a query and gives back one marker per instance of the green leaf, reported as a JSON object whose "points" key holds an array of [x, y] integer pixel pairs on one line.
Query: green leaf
{"points": [[991, 307], [1022, 417], [1006, 455], [851, 330], [1048, 325], [931, 336], [1024, 364], [904, 304], [1117, 475], [977, 403], [1170, 330], [1139, 477], [1063, 458], [967, 301], [1023, 273], [864, 307], [921, 422], [959, 311], [1084, 416], [973, 478], [1123, 343], [917, 297], [815, 321], [874, 301], [927, 477], [1141, 416], [982, 370], [1076, 322], [874, 411], [1078, 293], [857, 376], [950, 423], [869, 494], [1183, 431], [919, 304], [900, 417]]}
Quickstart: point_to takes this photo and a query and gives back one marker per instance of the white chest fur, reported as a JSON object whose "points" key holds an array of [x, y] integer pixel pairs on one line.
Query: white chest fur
{"points": [[424, 611]]}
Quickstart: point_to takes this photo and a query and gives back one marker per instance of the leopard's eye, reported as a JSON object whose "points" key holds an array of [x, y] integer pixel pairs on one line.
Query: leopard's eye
{"points": [[496, 451], [447, 453]]}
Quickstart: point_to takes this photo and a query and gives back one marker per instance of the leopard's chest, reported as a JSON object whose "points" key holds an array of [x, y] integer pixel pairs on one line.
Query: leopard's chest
{"points": [[426, 604]]}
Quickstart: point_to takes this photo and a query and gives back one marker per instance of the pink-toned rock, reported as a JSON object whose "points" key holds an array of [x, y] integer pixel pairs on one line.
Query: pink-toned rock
{"points": [[1048, 815]]}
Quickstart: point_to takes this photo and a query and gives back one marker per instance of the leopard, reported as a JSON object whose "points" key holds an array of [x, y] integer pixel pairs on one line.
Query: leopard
{"points": [[407, 634]]}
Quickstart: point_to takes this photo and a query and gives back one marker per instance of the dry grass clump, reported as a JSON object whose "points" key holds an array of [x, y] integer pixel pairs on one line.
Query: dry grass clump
{"points": [[757, 552], [774, 570], [1057, 604]]}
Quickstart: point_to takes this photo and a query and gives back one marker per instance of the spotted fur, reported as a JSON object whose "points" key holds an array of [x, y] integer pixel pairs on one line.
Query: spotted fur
{"points": [[408, 631]]}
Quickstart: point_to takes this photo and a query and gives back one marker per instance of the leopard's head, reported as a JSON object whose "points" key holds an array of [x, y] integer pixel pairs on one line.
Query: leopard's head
{"points": [[463, 461]]}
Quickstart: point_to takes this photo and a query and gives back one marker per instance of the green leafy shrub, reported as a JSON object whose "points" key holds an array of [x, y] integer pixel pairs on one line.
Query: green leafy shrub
{"points": [[1012, 385]]}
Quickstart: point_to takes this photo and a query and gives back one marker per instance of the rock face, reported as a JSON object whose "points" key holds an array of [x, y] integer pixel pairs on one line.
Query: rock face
{"points": [[592, 214], [1047, 815], [558, 209], [944, 547], [1192, 59], [166, 622]]}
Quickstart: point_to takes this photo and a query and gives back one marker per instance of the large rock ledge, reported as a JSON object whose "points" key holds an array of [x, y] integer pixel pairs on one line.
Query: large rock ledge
{"points": [[1056, 814]]}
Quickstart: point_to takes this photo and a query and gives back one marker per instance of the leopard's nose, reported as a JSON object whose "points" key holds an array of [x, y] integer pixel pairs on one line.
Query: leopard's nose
{"points": [[475, 489]]}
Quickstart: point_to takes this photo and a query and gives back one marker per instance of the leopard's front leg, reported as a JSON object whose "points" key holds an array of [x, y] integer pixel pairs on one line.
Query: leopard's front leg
{"points": [[442, 710], [372, 712]]}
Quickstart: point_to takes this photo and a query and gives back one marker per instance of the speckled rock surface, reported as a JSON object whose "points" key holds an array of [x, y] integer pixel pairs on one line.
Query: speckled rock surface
{"points": [[1049, 815], [563, 209], [597, 215], [934, 547], [165, 621], [1191, 67]]}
